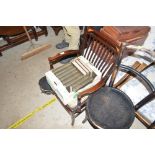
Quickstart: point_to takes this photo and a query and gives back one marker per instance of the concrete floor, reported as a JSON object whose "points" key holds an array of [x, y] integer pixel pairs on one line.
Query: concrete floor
{"points": [[20, 93]]}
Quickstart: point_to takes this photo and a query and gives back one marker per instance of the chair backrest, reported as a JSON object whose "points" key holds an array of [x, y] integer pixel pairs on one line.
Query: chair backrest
{"points": [[101, 51]]}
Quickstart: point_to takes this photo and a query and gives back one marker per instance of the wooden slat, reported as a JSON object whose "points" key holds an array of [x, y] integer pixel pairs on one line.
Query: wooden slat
{"points": [[90, 49], [88, 45], [101, 54], [98, 54], [106, 59], [95, 50], [106, 68]]}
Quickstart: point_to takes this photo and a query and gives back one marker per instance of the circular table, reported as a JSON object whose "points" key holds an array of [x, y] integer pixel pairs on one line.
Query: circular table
{"points": [[110, 108]]}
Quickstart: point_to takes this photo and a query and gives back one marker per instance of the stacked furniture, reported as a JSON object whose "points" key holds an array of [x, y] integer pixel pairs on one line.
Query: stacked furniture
{"points": [[15, 35], [135, 35]]}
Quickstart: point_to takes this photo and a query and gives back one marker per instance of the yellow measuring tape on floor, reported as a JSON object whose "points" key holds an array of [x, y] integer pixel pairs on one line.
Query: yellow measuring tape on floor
{"points": [[27, 117]]}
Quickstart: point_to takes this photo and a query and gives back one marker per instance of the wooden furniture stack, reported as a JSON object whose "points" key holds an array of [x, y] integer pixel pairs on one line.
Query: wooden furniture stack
{"points": [[135, 35], [15, 35]]}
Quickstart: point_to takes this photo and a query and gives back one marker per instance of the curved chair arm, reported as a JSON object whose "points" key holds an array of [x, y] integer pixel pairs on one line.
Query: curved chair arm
{"points": [[139, 75], [87, 92], [62, 55]]}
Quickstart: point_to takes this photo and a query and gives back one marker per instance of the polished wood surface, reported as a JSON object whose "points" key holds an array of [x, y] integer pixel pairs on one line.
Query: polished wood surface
{"points": [[135, 35], [125, 33], [12, 30]]}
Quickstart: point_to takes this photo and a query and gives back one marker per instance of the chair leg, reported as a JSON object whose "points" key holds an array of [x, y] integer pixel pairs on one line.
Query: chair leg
{"points": [[34, 33], [73, 119], [85, 119], [45, 29]]}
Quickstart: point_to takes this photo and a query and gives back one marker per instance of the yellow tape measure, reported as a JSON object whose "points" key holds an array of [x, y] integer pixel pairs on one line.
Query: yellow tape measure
{"points": [[27, 117]]}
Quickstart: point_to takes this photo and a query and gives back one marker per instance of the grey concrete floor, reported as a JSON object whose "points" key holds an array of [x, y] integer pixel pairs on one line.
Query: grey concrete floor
{"points": [[20, 93]]}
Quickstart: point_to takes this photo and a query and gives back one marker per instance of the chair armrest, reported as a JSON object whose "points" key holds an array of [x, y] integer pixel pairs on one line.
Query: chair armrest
{"points": [[91, 89], [61, 55], [87, 92]]}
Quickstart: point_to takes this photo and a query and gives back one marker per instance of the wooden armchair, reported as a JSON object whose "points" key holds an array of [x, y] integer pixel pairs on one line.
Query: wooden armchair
{"points": [[96, 60]]}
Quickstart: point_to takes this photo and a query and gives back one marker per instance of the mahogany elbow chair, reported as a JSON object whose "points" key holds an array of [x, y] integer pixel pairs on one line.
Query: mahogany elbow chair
{"points": [[97, 58]]}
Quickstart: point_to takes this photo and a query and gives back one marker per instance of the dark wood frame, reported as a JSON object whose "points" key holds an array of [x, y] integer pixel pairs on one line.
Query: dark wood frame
{"points": [[111, 46]]}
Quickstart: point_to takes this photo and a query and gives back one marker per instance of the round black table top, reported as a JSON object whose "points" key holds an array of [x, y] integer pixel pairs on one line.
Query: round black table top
{"points": [[110, 108]]}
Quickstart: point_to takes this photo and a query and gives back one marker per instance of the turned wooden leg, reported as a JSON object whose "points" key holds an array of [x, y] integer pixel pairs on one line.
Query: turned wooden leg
{"points": [[34, 33], [0, 54]]}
